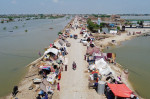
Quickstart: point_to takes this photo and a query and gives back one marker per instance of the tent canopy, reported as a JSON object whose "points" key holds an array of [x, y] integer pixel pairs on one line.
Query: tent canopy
{"points": [[52, 50], [85, 35], [102, 66], [91, 50], [120, 90]]}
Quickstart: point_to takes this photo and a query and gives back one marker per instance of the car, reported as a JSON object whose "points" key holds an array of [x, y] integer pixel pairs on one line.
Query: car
{"points": [[82, 40]]}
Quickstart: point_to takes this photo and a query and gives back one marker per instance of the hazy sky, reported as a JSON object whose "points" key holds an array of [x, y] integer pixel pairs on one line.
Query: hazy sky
{"points": [[74, 6]]}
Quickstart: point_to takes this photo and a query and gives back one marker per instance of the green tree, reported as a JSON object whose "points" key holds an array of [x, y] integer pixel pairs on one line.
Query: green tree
{"points": [[138, 22], [2, 21], [102, 25], [16, 27], [141, 23], [92, 26], [26, 30], [118, 28], [10, 18]]}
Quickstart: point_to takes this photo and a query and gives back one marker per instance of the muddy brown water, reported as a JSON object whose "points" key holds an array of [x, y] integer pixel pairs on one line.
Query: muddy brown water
{"points": [[134, 55], [18, 48]]}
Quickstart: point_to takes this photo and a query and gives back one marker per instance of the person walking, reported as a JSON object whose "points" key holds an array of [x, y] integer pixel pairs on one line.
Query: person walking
{"points": [[59, 76], [84, 57], [58, 86], [40, 54], [65, 67]]}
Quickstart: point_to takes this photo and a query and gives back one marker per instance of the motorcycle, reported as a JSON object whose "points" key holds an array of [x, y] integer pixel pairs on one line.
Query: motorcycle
{"points": [[74, 66]]}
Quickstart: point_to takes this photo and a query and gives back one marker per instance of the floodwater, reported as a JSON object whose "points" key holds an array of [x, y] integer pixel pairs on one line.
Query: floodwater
{"points": [[135, 55], [135, 17], [18, 48]]}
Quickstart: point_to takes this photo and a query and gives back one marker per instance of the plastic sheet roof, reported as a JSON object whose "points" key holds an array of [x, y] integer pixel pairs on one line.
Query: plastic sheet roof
{"points": [[120, 90]]}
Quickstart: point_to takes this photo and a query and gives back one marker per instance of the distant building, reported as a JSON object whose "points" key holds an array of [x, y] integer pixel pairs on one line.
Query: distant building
{"points": [[112, 25], [113, 32], [93, 19], [115, 18]]}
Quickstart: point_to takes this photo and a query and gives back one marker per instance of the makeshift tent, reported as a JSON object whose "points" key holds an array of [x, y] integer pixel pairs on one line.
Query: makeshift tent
{"points": [[45, 86], [112, 25], [96, 50], [106, 30], [102, 66], [51, 78], [113, 31], [120, 90], [85, 35], [61, 42], [42, 67], [91, 50], [46, 68], [97, 54], [52, 50]]}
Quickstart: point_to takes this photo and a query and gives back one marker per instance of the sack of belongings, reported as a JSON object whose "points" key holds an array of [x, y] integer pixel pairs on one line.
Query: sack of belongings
{"points": [[68, 44]]}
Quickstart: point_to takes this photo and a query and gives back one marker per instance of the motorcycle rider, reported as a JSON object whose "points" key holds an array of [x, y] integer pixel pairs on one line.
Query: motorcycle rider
{"points": [[74, 65]]}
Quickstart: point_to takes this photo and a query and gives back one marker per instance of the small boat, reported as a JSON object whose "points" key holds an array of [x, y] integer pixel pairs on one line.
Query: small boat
{"points": [[10, 31], [50, 28]]}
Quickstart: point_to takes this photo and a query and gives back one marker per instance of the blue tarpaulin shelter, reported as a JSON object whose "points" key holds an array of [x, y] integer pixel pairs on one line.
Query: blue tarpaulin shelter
{"points": [[112, 25]]}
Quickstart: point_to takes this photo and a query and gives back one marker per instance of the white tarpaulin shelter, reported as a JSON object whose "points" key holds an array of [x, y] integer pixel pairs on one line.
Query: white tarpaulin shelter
{"points": [[102, 66], [85, 35], [113, 31], [52, 50], [97, 54]]}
